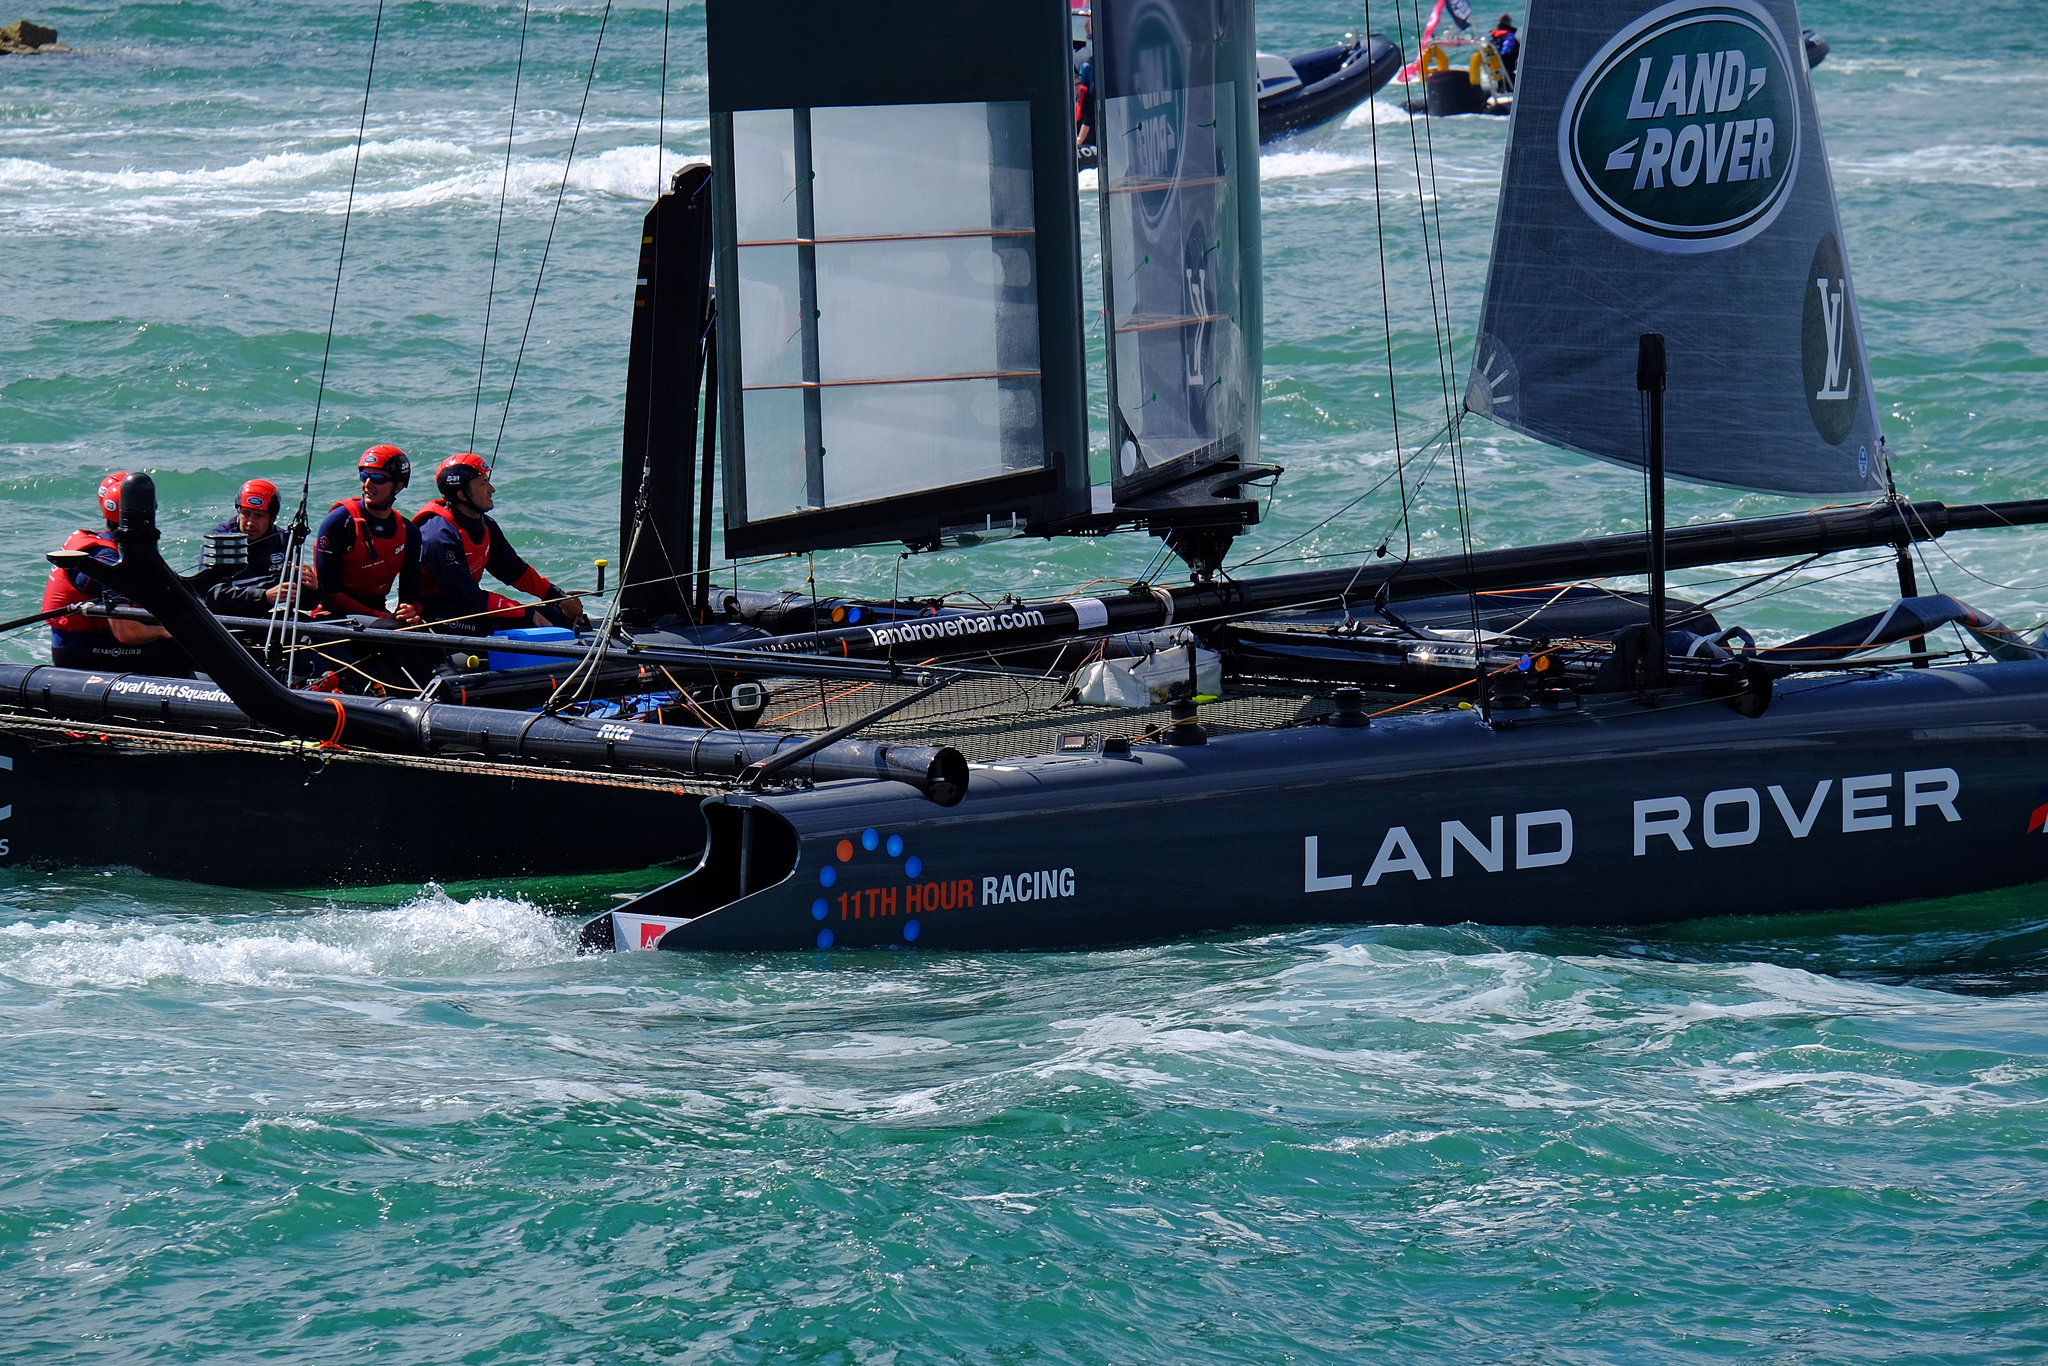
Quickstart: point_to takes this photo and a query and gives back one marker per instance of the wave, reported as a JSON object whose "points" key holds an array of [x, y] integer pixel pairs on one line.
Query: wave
{"points": [[2000, 166], [406, 173], [433, 935]]}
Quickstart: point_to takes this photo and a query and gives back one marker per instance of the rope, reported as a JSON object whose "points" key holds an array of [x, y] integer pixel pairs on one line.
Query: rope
{"points": [[1386, 306], [556, 218], [295, 536], [498, 238], [1435, 263], [661, 109]]}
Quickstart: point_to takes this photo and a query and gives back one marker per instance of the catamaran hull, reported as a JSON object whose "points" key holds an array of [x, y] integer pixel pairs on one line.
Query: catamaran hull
{"points": [[201, 809], [1847, 792]]}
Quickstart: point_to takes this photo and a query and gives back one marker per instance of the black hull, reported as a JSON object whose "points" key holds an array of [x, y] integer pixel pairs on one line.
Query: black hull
{"points": [[270, 814], [1906, 785], [1323, 101]]}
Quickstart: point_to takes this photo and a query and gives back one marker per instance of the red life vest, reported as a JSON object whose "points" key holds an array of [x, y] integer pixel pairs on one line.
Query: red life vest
{"points": [[60, 591], [373, 562], [477, 552]]}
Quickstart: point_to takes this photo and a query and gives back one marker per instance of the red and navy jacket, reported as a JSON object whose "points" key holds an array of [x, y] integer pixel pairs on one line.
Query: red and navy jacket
{"points": [[359, 556], [455, 551], [62, 590]]}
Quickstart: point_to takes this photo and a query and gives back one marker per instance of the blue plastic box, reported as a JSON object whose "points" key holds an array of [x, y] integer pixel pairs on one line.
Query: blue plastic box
{"points": [[513, 659]]}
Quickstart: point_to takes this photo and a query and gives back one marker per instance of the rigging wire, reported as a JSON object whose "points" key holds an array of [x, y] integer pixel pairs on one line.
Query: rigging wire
{"points": [[661, 107], [498, 238], [1293, 540], [560, 193], [295, 537], [1436, 264], [1386, 308]]}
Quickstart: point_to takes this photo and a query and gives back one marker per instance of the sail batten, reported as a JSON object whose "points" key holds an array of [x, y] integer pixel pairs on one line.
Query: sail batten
{"points": [[1665, 173]]}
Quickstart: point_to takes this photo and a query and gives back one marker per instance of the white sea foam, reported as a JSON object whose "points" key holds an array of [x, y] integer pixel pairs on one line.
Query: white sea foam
{"points": [[403, 173], [432, 935], [2002, 166], [1381, 112], [1290, 163]]}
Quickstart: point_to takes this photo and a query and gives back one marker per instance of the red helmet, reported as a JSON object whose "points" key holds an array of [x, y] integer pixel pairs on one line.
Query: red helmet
{"points": [[388, 461], [258, 495], [110, 496], [456, 471]]}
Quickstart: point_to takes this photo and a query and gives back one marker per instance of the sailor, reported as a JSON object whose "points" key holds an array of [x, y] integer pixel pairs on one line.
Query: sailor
{"points": [[1508, 43], [1084, 99], [105, 644], [365, 544], [459, 540], [261, 585]]}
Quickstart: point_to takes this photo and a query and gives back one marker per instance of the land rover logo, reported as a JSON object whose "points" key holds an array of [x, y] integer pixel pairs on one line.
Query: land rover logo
{"points": [[1682, 134]]}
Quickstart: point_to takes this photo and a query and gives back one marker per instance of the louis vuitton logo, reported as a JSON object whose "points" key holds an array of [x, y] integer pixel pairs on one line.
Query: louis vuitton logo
{"points": [[1834, 311]]}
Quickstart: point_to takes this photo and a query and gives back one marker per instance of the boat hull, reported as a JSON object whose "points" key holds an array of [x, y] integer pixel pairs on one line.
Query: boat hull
{"points": [[267, 814], [1847, 792], [1319, 103]]}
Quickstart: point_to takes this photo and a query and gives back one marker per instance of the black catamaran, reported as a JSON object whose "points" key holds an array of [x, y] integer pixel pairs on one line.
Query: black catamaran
{"points": [[897, 355]]}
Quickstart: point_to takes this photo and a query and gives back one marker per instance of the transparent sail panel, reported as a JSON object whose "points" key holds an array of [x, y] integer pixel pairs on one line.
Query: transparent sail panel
{"points": [[888, 309], [777, 474], [926, 308], [921, 168], [885, 440], [770, 317], [1181, 372], [764, 175]]}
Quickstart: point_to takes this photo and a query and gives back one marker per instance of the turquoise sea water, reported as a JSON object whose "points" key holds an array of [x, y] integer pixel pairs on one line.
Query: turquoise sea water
{"points": [[409, 1124]]}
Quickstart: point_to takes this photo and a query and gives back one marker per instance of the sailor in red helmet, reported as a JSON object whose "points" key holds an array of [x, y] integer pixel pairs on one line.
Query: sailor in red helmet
{"points": [[459, 541], [105, 644], [365, 545], [253, 591]]}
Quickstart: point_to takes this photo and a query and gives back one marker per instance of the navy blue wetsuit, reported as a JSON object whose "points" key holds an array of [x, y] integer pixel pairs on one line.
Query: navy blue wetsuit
{"points": [[453, 563], [356, 579], [242, 596]]}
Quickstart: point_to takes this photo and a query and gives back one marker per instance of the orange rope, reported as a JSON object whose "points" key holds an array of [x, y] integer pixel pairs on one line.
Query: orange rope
{"points": [[1503, 669], [340, 720]]}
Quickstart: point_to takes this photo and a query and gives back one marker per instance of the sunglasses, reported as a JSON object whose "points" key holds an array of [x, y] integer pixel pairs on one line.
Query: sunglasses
{"points": [[376, 477]]}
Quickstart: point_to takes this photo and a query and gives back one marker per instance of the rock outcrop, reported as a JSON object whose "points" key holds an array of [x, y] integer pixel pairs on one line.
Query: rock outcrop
{"points": [[24, 38]]}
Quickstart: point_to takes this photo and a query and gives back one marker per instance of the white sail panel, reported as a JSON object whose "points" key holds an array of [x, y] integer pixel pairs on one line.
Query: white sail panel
{"points": [[1665, 173]]}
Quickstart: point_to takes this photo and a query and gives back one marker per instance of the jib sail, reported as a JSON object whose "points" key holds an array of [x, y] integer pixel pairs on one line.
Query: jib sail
{"points": [[1665, 173]]}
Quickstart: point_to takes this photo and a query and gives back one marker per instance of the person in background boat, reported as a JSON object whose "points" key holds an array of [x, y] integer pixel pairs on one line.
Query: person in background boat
{"points": [[1508, 43], [105, 644], [365, 545], [258, 587], [1084, 99], [459, 541]]}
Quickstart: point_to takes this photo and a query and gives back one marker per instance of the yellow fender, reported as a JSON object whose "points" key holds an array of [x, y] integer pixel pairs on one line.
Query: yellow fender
{"points": [[1434, 59], [1486, 67]]}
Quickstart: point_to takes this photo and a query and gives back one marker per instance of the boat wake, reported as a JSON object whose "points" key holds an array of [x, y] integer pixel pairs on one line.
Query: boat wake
{"points": [[433, 935]]}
